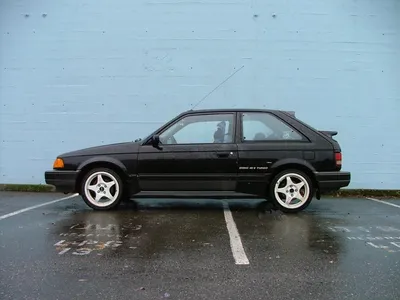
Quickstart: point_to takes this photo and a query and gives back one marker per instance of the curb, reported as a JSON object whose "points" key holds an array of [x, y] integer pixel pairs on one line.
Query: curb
{"points": [[363, 193], [355, 193], [39, 188]]}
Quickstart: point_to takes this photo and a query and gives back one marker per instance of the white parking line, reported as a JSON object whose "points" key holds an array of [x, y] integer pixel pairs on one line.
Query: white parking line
{"points": [[381, 201], [236, 243], [35, 206]]}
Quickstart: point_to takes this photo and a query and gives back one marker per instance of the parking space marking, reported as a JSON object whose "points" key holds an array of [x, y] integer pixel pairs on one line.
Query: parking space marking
{"points": [[384, 202], [17, 212], [236, 243]]}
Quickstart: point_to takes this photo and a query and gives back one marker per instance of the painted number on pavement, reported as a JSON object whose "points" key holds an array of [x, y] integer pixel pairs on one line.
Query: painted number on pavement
{"points": [[377, 237]]}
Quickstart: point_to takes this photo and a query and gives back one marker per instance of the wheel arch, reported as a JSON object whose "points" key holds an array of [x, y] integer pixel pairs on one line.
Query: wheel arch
{"points": [[101, 162], [296, 164]]}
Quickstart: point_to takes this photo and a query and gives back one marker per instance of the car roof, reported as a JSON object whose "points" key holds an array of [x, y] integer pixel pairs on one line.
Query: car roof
{"points": [[217, 110], [230, 110]]}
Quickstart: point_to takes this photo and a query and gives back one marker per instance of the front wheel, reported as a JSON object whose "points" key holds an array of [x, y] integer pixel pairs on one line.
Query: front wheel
{"points": [[291, 191], [102, 189]]}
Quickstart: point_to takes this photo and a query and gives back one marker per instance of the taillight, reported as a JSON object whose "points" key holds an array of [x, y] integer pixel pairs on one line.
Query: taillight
{"points": [[338, 159]]}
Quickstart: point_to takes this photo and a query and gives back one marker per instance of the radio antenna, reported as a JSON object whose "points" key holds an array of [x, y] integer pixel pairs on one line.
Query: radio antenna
{"points": [[218, 86]]}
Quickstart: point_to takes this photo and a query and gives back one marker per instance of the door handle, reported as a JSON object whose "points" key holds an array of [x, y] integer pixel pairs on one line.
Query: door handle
{"points": [[224, 154]]}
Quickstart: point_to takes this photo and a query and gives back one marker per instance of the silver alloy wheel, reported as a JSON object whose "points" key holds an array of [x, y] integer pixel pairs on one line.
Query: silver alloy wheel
{"points": [[102, 189], [292, 190]]}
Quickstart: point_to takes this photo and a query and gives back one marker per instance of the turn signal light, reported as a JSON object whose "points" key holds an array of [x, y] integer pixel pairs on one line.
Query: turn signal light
{"points": [[58, 164]]}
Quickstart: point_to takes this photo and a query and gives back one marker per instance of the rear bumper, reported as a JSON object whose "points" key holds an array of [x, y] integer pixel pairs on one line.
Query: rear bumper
{"points": [[63, 181], [332, 181]]}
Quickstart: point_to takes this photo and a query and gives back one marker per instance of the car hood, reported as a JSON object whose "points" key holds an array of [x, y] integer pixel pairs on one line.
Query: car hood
{"points": [[118, 148]]}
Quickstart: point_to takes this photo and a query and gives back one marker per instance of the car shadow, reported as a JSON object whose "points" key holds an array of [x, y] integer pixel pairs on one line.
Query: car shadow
{"points": [[260, 205]]}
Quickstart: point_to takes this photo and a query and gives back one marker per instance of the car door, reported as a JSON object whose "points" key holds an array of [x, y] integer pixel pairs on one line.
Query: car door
{"points": [[198, 154], [264, 139]]}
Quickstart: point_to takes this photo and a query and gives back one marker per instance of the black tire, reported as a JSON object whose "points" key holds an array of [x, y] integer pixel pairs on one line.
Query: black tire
{"points": [[118, 195], [295, 173]]}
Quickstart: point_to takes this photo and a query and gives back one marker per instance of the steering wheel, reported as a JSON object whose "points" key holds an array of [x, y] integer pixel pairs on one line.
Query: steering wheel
{"points": [[173, 140], [170, 140], [286, 135], [273, 136]]}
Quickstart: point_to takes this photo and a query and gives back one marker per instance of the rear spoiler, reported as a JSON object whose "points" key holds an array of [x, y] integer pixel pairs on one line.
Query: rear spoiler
{"points": [[329, 133]]}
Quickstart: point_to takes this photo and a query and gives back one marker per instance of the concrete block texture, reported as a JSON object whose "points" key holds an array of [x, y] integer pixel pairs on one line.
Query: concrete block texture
{"points": [[75, 73]]}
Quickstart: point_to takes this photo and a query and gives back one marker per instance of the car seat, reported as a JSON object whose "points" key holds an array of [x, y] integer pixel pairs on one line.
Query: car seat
{"points": [[259, 136], [228, 135], [219, 134]]}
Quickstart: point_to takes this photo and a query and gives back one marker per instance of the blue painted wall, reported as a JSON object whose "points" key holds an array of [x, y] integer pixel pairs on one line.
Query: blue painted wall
{"points": [[79, 73]]}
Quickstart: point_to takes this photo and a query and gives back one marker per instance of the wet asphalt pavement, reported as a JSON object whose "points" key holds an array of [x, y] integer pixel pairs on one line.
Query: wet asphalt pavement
{"points": [[180, 249]]}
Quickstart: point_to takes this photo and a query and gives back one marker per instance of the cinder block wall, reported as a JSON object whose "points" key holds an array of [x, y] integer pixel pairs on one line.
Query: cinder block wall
{"points": [[80, 73]]}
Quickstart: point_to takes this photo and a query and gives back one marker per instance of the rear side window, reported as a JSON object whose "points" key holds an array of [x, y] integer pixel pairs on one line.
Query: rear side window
{"points": [[260, 126]]}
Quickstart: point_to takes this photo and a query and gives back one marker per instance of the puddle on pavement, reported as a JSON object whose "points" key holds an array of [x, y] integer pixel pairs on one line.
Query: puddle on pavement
{"points": [[147, 233], [164, 226]]}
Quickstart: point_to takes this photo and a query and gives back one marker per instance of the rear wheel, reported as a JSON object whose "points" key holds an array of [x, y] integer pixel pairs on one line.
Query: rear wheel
{"points": [[291, 191], [102, 189]]}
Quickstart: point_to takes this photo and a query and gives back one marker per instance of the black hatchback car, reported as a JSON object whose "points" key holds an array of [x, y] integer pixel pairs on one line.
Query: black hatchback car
{"points": [[264, 153]]}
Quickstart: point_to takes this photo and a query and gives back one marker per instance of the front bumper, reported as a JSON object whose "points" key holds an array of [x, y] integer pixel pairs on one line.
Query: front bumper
{"points": [[332, 181], [63, 181]]}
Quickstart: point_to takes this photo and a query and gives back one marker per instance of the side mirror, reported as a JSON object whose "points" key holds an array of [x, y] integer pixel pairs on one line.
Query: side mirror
{"points": [[155, 142]]}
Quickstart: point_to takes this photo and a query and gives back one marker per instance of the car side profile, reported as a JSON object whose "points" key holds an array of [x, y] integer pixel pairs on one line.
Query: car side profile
{"points": [[264, 153]]}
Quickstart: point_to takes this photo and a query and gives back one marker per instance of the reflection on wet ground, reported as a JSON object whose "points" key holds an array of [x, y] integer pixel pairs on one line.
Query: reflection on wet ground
{"points": [[144, 234], [180, 249]]}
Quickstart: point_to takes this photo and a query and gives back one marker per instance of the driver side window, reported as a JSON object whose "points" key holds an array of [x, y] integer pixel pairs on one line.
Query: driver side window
{"points": [[200, 129]]}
